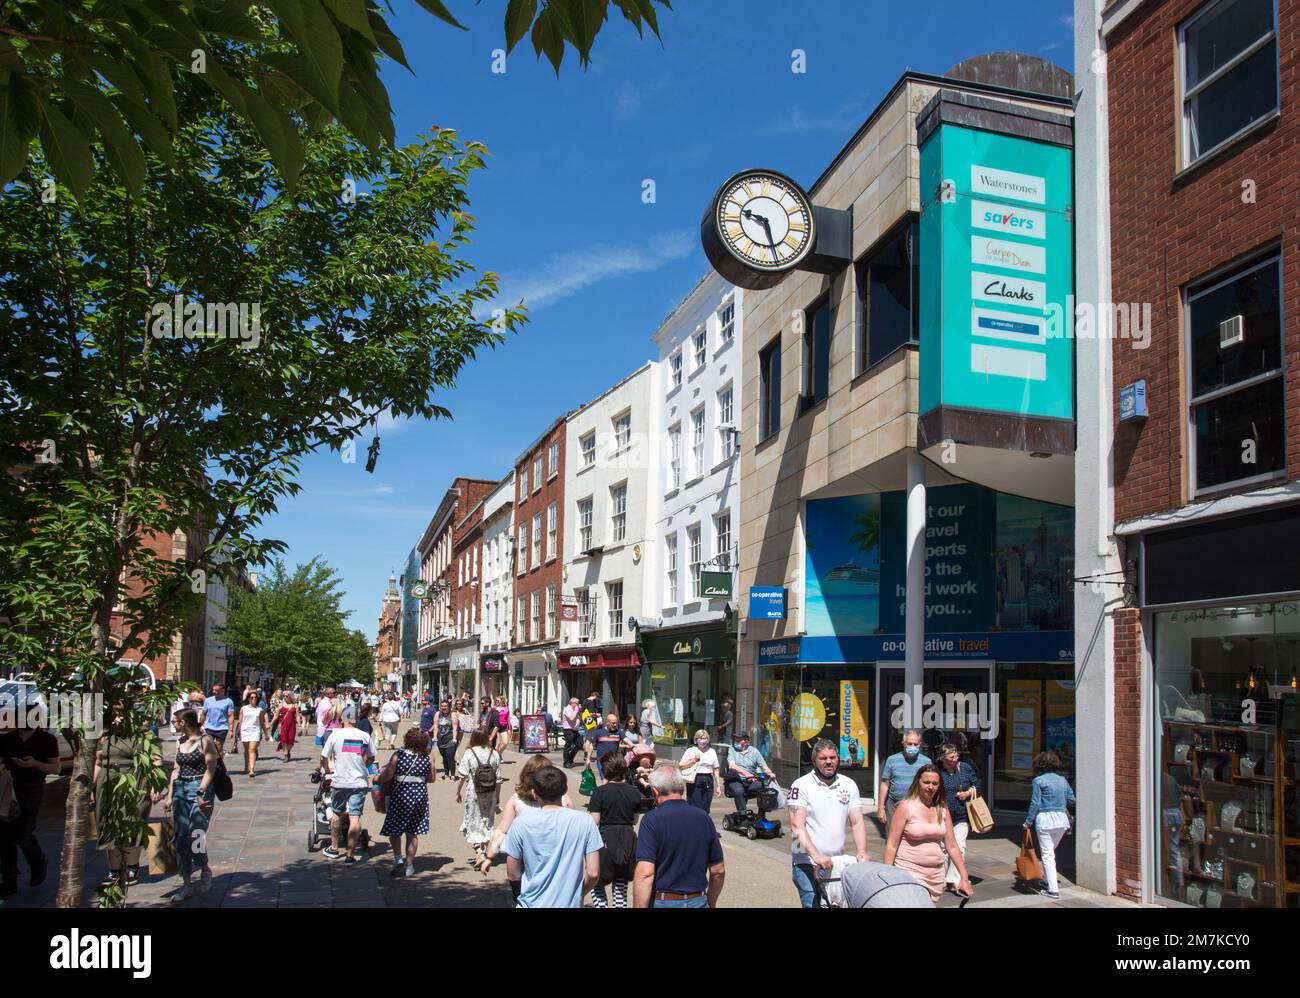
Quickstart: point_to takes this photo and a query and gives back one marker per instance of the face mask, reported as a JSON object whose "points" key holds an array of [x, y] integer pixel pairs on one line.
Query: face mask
{"points": [[701, 743], [911, 752]]}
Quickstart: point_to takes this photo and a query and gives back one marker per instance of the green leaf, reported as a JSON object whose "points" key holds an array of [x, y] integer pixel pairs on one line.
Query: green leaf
{"points": [[146, 125], [120, 145], [66, 149], [519, 18], [320, 50], [353, 13], [387, 41], [548, 38], [438, 9], [19, 123]]}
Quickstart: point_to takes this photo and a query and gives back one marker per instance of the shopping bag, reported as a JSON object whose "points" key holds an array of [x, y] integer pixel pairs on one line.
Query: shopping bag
{"points": [[1028, 868], [978, 815], [588, 785], [162, 849]]}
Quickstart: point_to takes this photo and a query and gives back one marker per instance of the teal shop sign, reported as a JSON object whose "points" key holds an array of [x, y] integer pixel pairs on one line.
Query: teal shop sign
{"points": [[996, 274]]}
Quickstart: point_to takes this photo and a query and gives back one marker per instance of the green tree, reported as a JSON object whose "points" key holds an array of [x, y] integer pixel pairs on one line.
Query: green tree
{"points": [[113, 434], [867, 536], [80, 72], [292, 625]]}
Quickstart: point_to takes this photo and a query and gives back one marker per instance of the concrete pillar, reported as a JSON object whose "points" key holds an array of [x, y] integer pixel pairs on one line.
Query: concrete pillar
{"points": [[914, 619]]}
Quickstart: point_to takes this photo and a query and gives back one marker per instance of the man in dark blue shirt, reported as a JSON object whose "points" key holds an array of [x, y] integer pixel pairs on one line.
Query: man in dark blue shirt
{"points": [[426, 717], [678, 853]]}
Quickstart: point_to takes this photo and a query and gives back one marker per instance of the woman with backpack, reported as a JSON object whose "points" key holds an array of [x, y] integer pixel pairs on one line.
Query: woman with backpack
{"points": [[190, 794], [478, 771]]}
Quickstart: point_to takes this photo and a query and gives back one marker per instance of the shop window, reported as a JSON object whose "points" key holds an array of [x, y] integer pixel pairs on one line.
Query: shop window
{"points": [[888, 279], [1236, 416], [1227, 755], [1229, 73]]}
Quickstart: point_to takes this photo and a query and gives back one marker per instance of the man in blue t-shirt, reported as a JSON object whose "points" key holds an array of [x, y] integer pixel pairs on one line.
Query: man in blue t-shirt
{"points": [[553, 850], [897, 774], [218, 715], [426, 717], [678, 853]]}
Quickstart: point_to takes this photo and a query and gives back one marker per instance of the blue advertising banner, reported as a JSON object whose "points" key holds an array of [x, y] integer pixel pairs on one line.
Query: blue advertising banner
{"points": [[998, 646], [784, 651], [766, 603], [997, 274]]}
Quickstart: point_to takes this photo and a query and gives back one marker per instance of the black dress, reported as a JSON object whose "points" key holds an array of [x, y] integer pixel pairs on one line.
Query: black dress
{"points": [[617, 805]]}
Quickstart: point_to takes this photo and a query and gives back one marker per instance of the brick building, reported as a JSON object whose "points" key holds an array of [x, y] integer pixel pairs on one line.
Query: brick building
{"points": [[1189, 112], [387, 649], [538, 575]]}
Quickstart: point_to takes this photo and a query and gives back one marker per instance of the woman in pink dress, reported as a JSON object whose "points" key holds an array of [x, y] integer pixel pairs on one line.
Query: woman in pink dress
{"points": [[921, 839]]}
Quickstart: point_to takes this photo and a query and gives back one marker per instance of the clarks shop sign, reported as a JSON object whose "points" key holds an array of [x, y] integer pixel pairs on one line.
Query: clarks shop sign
{"points": [[691, 645], [716, 585]]}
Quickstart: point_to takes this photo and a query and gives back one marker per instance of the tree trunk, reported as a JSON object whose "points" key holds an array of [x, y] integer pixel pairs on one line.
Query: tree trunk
{"points": [[72, 860]]}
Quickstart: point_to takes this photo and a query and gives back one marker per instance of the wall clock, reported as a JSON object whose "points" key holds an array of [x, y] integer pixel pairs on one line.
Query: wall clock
{"points": [[758, 227]]}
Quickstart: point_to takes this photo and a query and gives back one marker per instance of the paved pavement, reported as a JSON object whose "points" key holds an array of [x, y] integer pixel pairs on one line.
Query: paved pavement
{"points": [[258, 849]]}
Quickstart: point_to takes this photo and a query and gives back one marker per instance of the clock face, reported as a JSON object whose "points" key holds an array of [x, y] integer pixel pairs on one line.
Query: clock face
{"points": [[765, 220]]}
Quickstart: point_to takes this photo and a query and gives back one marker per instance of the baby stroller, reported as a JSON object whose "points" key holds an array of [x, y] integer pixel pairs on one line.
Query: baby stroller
{"points": [[318, 831], [757, 825]]}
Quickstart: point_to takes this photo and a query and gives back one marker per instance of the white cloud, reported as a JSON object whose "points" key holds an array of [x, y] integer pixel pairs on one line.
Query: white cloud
{"points": [[370, 490], [1067, 20], [1048, 48], [568, 273], [795, 120]]}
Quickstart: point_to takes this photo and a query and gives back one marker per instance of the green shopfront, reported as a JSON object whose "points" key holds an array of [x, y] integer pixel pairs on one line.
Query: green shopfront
{"points": [[690, 673], [998, 638]]}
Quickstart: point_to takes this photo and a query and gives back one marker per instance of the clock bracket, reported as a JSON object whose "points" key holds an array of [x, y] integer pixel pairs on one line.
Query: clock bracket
{"points": [[832, 248]]}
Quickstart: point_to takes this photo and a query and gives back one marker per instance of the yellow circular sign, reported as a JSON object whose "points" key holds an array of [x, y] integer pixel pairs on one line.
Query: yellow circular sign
{"points": [[807, 716]]}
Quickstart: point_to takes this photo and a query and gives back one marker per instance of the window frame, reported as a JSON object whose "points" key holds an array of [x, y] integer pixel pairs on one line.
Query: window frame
{"points": [[675, 457], [670, 569], [1186, 95], [910, 228], [535, 558], [618, 517], [614, 616], [1208, 285], [726, 327], [550, 611], [586, 524], [675, 364], [769, 390], [587, 444], [726, 414], [700, 348], [622, 420], [553, 459], [521, 566], [812, 375], [721, 550], [695, 557], [552, 531], [699, 441], [583, 598]]}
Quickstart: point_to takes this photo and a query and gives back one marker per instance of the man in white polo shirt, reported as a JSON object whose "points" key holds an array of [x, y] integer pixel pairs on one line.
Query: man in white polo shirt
{"points": [[820, 802]]}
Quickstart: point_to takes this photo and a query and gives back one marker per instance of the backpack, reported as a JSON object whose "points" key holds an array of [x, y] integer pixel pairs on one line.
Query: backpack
{"points": [[485, 775]]}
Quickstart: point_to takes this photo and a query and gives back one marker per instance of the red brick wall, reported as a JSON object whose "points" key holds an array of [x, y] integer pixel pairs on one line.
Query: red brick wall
{"points": [[548, 573], [1167, 232], [1128, 755], [467, 540]]}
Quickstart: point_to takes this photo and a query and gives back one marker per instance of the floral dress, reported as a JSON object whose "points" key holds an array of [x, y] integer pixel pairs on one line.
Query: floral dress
{"points": [[480, 809], [408, 800]]}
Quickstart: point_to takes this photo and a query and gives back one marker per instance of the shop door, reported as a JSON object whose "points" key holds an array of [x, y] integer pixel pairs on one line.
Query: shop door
{"points": [[528, 696], [959, 727]]}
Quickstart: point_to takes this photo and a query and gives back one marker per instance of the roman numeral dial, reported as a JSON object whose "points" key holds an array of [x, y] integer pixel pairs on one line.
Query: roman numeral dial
{"points": [[765, 220]]}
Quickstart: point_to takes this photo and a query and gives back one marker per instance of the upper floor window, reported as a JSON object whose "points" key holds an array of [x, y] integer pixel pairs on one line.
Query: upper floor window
{"points": [[618, 513], [614, 594], [584, 524], [769, 389], [553, 460], [727, 323], [521, 555], [670, 562], [695, 556], [588, 445], [537, 540], [722, 540], [701, 347], [537, 472], [888, 281], [816, 353], [1237, 419], [552, 529], [1229, 72], [675, 368], [726, 428], [622, 431], [674, 458], [697, 442]]}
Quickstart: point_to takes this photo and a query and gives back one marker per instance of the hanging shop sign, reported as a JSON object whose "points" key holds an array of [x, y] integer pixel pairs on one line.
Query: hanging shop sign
{"points": [[493, 664], [716, 585], [766, 603], [569, 611]]}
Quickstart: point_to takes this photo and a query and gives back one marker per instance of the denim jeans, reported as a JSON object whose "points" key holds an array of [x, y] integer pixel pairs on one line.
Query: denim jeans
{"points": [[803, 875], [189, 818], [701, 795], [700, 902]]}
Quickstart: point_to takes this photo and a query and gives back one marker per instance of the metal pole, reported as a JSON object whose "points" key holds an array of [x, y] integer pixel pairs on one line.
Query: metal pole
{"points": [[914, 619]]}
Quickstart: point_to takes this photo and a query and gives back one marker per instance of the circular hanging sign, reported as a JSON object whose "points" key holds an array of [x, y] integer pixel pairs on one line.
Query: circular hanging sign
{"points": [[807, 716], [757, 228]]}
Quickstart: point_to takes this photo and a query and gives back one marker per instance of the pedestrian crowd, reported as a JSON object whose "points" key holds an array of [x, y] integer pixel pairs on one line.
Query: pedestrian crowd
{"points": [[644, 838]]}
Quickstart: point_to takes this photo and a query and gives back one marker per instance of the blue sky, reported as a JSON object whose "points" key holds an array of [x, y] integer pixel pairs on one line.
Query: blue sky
{"points": [[561, 217]]}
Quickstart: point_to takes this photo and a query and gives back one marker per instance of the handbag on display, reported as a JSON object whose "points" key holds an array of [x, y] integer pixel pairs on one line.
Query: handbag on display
{"points": [[1028, 868], [978, 815], [1228, 814]]}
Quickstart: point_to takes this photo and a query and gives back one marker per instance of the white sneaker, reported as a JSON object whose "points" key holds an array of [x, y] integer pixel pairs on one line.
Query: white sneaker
{"points": [[184, 894], [205, 881], [410, 871]]}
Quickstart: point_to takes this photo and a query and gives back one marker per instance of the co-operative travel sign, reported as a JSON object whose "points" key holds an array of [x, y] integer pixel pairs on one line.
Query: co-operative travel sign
{"points": [[996, 274]]}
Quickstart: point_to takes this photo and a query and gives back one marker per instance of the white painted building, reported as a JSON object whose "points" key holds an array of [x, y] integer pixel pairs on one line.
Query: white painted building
{"points": [[497, 593], [613, 454], [690, 656]]}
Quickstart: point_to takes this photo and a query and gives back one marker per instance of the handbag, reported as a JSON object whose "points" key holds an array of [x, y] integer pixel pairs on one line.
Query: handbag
{"points": [[978, 815], [587, 786], [384, 785], [162, 848], [1028, 868], [222, 785]]}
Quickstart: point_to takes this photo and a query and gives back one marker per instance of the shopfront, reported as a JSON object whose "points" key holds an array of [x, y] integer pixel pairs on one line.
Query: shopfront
{"points": [[1224, 758], [999, 670], [461, 671], [530, 681], [613, 673], [495, 679], [690, 673]]}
